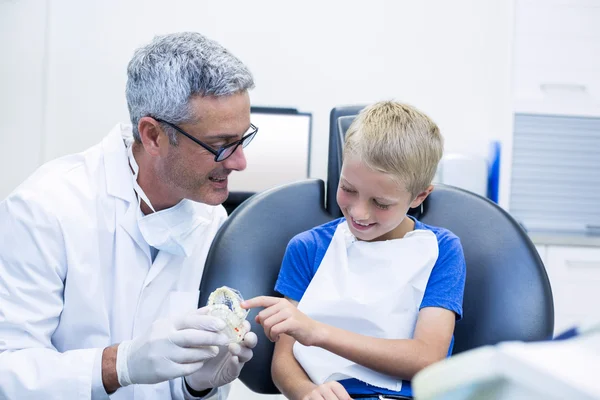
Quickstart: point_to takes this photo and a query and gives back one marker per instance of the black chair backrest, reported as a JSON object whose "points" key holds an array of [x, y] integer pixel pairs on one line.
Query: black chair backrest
{"points": [[338, 125], [247, 251], [235, 199], [507, 292]]}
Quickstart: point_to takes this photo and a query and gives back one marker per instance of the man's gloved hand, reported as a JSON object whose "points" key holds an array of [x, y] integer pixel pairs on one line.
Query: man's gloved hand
{"points": [[225, 367], [170, 349]]}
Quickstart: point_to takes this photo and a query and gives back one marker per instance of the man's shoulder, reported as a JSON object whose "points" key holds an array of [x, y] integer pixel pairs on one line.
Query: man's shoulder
{"points": [[62, 185]]}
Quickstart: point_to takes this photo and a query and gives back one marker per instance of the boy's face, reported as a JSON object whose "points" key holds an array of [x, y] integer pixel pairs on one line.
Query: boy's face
{"points": [[374, 204]]}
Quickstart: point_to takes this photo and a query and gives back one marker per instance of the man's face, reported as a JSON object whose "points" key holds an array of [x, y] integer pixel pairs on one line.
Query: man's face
{"points": [[373, 203], [188, 168]]}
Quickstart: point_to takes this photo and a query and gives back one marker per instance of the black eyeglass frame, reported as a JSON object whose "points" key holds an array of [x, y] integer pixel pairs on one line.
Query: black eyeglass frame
{"points": [[221, 150]]}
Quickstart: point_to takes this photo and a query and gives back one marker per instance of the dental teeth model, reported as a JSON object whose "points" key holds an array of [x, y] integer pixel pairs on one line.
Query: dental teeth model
{"points": [[224, 303]]}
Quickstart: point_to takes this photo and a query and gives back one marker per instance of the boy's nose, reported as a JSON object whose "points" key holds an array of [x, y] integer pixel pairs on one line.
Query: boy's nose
{"points": [[360, 213]]}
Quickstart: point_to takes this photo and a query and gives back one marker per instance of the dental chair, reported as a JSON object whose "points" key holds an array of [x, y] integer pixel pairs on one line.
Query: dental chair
{"points": [[507, 293]]}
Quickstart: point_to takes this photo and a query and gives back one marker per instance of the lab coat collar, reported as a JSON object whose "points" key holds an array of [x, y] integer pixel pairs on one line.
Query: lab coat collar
{"points": [[118, 183]]}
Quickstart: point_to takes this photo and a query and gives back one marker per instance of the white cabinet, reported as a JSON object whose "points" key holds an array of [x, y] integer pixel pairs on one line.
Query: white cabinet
{"points": [[574, 274], [556, 57]]}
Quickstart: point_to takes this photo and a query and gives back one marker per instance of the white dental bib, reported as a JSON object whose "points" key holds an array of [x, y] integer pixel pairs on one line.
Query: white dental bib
{"points": [[370, 288]]}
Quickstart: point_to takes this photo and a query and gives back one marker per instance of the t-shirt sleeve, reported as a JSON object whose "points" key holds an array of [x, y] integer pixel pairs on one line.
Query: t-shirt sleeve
{"points": [[296, 268], [446, 285]]}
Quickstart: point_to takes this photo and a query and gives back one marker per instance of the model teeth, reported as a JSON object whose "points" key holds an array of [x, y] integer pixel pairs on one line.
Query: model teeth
{"points": [[358, 223]]}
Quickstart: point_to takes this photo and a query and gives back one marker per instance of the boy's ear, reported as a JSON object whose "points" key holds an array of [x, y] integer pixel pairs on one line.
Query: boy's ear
{"points": [[421, 197]]}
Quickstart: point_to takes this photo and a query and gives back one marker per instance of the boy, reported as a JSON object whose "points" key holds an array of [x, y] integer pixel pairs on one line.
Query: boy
{"points": [[370, 298]]}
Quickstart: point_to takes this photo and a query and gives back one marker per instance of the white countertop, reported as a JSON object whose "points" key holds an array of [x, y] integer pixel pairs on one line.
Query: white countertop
{"points": [[564, 239]]}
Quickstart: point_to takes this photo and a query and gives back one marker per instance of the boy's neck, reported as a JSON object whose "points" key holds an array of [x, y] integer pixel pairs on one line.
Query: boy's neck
{"points": [[407, 225]]}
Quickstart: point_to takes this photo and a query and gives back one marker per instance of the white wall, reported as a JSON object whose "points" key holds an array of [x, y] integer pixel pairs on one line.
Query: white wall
{"points": [[451, 59], [23, 27]]}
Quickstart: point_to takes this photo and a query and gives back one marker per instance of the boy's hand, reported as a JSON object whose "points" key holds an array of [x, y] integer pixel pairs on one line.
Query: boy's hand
{"points": [[328, 391], [281, 316]]}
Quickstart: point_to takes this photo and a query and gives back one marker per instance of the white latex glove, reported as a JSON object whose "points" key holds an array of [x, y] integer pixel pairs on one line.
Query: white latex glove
{"points": [[225, 367], [170, 349]]}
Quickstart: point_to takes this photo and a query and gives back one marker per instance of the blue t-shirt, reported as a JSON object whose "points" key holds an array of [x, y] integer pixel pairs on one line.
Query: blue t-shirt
{"points": [[444, 288]]}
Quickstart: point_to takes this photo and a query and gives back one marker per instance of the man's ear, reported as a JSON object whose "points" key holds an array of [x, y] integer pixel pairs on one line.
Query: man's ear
{"points": [[421, 197], [152, 135]]}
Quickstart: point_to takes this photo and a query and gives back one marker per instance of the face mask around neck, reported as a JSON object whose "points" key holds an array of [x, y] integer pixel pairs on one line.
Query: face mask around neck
{"points": [[168, 230]]}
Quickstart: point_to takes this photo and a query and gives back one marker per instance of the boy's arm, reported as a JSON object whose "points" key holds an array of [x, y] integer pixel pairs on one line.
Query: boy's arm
{"points": [[288, 375], [291, 379], [402, 358]]}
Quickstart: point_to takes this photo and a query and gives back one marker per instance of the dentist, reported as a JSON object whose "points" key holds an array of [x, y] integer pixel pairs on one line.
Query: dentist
{"points": [[102, 252]]}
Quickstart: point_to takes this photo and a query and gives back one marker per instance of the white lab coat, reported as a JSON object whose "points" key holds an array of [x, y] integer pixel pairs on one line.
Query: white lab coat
{"points": [[76, 276]]}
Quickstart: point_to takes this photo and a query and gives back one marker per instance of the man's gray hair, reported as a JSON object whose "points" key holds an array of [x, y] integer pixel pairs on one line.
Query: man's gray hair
{"points": [[163, 75]]}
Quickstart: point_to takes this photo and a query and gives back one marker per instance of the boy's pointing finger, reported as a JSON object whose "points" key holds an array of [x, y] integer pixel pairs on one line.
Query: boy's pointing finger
{"points": [[260, 301]]}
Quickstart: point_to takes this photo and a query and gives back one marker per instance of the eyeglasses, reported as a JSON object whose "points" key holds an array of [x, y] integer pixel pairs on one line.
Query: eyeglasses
{"points": [[223, 152]]}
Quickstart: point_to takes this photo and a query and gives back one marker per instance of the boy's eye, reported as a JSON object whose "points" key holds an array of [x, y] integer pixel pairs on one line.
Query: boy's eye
{"points": [[345, 189], [381, 206]]}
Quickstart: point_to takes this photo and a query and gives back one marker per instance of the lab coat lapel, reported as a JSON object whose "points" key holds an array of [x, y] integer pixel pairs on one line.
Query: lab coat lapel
{"points": [[130, 225], [162, 260], [180, 263]]}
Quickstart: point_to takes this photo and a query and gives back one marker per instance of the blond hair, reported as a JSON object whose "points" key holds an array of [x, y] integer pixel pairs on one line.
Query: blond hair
{"points": [[399, 140]]}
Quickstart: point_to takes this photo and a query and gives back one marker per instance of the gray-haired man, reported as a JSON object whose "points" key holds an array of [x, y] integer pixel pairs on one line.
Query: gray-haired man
{"points": [[107, 246]]}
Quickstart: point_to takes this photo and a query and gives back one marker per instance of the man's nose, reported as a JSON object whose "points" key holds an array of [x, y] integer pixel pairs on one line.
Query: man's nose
{"points": [[236, 161]]}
